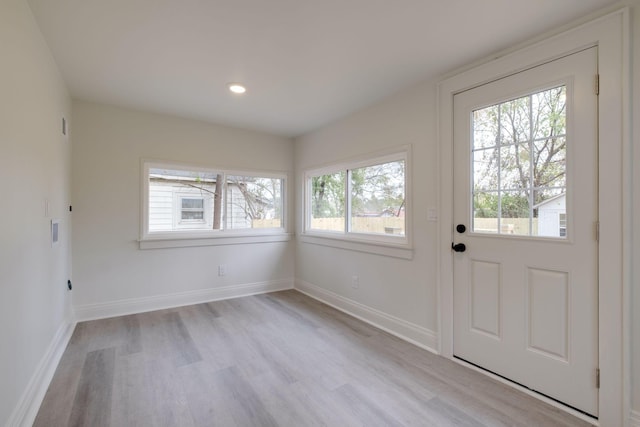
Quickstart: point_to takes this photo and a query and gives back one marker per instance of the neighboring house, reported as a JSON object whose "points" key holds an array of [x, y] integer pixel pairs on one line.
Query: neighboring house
{"points": [[552, 216], [188, 205]]}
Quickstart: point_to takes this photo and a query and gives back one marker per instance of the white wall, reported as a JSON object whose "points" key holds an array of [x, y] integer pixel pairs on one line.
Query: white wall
{"points": [[407, 289], [635, 125], [404, 289], [108, 264], [34, 167]]}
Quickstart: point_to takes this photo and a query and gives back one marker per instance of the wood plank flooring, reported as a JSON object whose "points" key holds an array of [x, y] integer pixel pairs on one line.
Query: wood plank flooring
{"points": [[280, 359]]}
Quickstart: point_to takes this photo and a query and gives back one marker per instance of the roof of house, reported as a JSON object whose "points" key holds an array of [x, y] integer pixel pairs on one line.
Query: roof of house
{"points": [[546, 202]]}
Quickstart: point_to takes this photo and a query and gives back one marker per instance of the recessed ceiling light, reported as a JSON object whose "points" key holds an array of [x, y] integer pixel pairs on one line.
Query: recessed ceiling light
{"points": [[236, 88]]}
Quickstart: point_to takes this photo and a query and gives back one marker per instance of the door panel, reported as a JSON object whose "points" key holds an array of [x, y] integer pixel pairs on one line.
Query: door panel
{"points": [[548, 312], [485, 297], [525, 187]]}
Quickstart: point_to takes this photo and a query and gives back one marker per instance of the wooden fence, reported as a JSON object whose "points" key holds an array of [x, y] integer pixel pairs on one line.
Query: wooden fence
{"points": [[380, 225], [508, 225], [395, 225]]}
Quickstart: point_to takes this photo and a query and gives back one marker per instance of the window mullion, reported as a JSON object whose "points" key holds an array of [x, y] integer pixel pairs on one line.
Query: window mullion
{"points": [[499, 151], [223, 202], [306, 207], [347, 199]]}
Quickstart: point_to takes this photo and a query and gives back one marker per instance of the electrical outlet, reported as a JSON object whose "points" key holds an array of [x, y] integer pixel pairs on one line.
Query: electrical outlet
{"points": [[222, 270], [355, 282]]}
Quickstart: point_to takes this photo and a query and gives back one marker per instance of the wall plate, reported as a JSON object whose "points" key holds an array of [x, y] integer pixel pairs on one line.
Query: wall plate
{"points": [[55, 232]]}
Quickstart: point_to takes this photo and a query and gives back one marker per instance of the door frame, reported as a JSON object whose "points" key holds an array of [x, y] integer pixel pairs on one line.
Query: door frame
{"points": [[611, 34]]}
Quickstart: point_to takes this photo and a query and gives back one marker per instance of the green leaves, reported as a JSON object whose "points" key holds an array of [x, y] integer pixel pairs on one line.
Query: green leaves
{"points": [[519, 154]]}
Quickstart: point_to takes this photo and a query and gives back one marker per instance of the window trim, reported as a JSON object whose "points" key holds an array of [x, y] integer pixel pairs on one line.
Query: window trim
{"points": [[364, 242], [188, 238]]}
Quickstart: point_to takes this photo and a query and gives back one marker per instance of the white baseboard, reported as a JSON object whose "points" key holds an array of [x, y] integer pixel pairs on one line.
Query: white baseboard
{"points": [[634, 419], [159, 302], [415, 334], [27, 408]]}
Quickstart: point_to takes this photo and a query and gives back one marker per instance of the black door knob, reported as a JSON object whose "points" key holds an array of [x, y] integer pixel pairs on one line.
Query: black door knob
{"points": [[460, 247], [460, 228]]}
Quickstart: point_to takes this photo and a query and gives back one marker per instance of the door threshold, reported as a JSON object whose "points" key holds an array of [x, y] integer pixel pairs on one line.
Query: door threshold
{"points": [[533, 393]]}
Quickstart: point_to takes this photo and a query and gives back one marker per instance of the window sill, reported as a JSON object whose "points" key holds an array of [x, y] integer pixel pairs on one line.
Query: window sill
{"points": [[377, 248], [188, 242]]}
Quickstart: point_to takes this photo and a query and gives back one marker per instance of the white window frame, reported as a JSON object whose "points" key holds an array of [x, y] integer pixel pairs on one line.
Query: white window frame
{"points": [[188, 238], [178, 210], [384, 244]]}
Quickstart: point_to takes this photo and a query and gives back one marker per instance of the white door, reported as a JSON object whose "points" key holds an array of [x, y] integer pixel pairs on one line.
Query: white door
{"points": [[525, 290]]}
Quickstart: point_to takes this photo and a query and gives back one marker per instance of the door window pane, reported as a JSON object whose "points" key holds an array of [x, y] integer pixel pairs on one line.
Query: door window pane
{"points": [[485, 129], [485, 169], [515, 167], [549, 113], [514, 121], [518, 156], [514, 213], [550, 171], [485, 212]]}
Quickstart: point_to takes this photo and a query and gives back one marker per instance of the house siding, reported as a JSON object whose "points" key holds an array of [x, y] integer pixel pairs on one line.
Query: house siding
{"points": [[164, 208]]}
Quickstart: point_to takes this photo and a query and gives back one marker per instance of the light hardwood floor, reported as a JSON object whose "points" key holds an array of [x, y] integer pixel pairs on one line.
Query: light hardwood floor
{"points": [[280, 359]]}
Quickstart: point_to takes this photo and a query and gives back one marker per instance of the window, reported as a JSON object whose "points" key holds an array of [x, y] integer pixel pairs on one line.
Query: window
{"points": [[364, 200], [189, 211], [562, 222], [519, 162], [192, 210], [185, 201]]}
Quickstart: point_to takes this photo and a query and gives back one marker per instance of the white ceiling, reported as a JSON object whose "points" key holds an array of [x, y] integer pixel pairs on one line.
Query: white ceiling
{"points": [[305, 62]]}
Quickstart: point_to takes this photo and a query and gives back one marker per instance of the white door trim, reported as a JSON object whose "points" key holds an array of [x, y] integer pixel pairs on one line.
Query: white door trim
{"points": [[611, 33]]}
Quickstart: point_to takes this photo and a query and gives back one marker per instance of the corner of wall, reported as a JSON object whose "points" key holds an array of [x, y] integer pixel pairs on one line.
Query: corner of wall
{"points": [[31, 399], [159, 302], [410, 332]]}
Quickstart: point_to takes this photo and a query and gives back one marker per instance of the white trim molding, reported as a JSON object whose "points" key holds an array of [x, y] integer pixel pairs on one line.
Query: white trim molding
{"points": [[611, 34], [353, 245], [407, 331], [27, 408], [245, 239], [159, 302]]}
